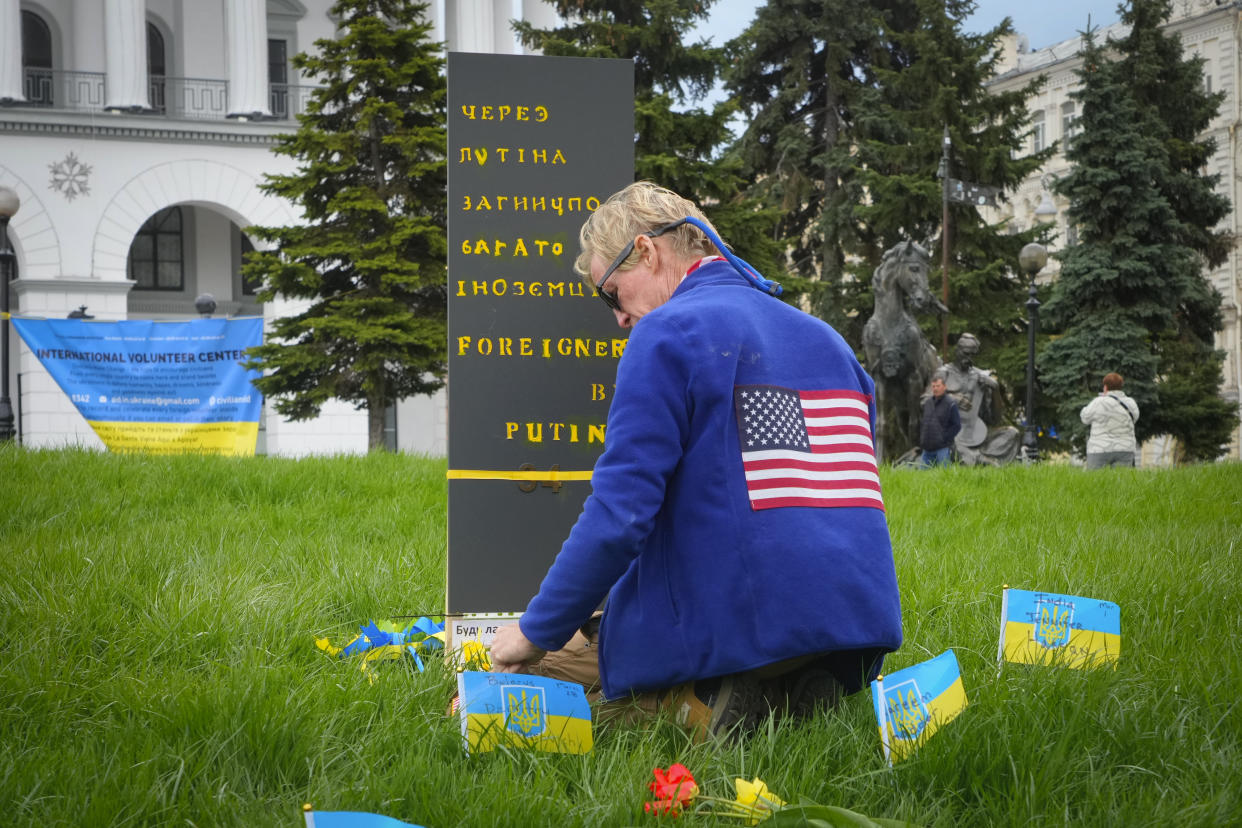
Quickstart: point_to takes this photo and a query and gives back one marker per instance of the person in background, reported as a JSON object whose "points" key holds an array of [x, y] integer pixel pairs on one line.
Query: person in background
{"points": [[940, 424], [736, 524], [1111, 417]]}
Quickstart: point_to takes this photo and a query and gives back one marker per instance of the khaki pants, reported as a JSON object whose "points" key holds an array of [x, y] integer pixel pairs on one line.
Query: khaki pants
{"points": [[578, 661]]}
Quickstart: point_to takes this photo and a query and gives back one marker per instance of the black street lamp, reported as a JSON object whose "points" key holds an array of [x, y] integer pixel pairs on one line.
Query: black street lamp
{"points": [[1032, 260], [9, 202]]}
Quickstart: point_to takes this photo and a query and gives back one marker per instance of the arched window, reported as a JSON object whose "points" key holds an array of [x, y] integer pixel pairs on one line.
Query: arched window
{"points": [[155, 256], [37, 59], [156, 66]]}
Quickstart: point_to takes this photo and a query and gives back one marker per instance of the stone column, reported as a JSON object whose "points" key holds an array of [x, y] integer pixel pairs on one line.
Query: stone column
{"points": [[541, 15], [504, 41], [125, 45], [247, 46], [472, 26], [11, 81]]}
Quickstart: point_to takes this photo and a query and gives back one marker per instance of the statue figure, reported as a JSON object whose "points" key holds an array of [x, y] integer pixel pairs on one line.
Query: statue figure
{"points": [[899, 358], [982, 440]]}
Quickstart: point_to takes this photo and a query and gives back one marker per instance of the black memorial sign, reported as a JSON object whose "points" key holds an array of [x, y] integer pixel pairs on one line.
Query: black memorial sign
{"points": [[535, 144]]}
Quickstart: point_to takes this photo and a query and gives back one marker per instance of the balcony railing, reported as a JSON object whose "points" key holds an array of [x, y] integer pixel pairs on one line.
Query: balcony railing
{"points": [[63, 90], [192, 98], [286, 100], [187, 98]]}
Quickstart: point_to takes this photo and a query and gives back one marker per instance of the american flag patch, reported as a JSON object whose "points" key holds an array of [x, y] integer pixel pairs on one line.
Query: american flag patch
{"points": [[806, 448]]}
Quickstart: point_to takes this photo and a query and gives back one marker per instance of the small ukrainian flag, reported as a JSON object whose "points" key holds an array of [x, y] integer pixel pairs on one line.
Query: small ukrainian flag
{"points": [[912, 704], [523, 711], [350, 819], [1067, 630]]}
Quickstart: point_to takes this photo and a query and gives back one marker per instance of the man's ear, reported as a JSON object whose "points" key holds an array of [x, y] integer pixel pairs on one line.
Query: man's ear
{"points": [[647, 249]]}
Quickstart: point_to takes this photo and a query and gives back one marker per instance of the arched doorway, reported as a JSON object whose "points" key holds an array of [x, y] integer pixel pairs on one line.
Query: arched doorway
{"points": [[183, 251]]}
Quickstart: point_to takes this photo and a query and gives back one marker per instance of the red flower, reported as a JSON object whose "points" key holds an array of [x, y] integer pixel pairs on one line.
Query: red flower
{"points": [[674, 789]]}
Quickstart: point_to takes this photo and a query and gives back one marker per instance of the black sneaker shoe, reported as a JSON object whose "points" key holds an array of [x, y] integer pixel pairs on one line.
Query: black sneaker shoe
{"points": [[728, 705], [811, 690]]}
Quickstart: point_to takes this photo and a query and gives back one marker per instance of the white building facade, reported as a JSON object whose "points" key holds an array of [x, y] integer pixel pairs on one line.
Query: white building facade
{"points": [[136, 134], [1208, 28]]}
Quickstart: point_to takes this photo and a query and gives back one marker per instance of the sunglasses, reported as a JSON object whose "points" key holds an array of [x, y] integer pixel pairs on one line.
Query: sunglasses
{"points": [[610, 299]]}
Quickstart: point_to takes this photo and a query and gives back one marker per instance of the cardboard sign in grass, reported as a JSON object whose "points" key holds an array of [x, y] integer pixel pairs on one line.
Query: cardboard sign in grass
{"points": [[912, 704], [524, 712], [1066, 630]]}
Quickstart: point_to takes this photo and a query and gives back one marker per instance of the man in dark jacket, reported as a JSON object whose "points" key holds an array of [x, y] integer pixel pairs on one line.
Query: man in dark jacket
{"points": [[941, 423]]}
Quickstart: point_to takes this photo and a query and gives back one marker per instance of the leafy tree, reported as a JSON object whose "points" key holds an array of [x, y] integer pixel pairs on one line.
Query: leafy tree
{"points": [[369, 262], [1132, 296], [939, 81], [676, 147]]}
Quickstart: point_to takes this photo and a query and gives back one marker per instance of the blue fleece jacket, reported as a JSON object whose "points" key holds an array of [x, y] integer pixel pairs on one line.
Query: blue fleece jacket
{"points": [[699, 583]]}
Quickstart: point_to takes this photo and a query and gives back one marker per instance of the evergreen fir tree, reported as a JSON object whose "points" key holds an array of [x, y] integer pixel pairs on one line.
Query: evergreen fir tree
{"points": [[1132, 297], [847, 102], [369, 262], [1162, 77], [679, 148], [1188, 403], [798, 71], [940, 81]]}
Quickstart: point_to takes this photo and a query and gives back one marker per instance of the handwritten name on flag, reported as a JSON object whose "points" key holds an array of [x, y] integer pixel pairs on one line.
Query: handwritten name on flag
{"points": [[912, 704], [1066, 630], [523, 711], [806, 448]]}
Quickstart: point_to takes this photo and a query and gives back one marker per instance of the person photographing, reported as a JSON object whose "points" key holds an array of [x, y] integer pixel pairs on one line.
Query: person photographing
{"points": [[1111, 417]]}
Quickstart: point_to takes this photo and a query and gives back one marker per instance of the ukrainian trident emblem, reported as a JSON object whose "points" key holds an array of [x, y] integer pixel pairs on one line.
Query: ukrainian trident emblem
{"points": [[525, 710], [906, 710], [1052, 622]]}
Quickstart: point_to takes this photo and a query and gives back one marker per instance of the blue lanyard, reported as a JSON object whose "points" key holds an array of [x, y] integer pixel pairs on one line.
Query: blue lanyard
{"points": [[756, 280]]}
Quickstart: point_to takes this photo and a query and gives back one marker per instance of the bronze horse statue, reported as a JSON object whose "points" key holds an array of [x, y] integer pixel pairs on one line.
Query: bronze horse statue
{"points": [[899, 358]]}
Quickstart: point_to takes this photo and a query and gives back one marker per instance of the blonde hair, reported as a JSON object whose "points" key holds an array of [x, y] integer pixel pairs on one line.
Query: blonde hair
{"points": [[637, 209]]}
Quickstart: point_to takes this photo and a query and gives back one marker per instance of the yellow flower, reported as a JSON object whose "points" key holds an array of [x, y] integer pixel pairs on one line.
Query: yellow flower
{"points": [[474, 657], [754, 801]]}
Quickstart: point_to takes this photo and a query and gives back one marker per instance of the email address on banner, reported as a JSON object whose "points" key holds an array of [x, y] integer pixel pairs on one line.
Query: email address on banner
{"points": [[164, 401]]}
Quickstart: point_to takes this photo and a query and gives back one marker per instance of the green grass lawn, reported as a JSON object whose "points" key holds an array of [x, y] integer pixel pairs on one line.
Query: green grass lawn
{"points": [[157, 618]]}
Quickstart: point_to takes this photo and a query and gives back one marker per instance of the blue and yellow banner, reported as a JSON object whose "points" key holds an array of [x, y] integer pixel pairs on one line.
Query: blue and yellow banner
{"points": [[1066, 630], [912, 704], [523, 711], [156, 387]]}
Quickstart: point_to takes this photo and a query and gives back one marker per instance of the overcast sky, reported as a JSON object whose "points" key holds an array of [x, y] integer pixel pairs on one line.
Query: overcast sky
{"points": [[1045, 22]]}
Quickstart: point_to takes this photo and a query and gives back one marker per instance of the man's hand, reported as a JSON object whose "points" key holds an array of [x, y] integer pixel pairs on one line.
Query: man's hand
{"points": [[512, 650]]}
